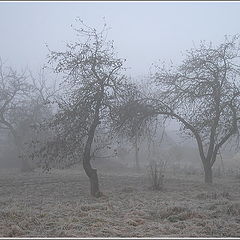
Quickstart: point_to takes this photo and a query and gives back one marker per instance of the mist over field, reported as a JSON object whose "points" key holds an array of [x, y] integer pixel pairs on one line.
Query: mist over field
{"points": [[119, 119]]}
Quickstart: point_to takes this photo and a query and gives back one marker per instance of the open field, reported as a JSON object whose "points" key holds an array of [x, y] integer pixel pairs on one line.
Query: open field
{"points": [[58, 205]]}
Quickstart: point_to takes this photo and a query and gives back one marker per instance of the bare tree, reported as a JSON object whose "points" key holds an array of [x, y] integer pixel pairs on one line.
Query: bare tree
{"points": [[203, 95], [132, 120], [38, 111], [14, 92], [93, 81], [23, 104]]}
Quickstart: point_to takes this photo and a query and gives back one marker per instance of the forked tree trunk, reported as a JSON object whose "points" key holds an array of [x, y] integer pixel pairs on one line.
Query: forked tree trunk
{"points": [[208, 176]]}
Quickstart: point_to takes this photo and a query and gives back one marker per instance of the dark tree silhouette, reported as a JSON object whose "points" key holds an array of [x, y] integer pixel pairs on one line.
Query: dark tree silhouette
{"points": [[93, 83], [202, 94]]}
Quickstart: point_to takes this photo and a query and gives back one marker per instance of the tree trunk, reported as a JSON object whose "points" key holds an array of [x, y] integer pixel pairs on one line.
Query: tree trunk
{"points": [[137, 166], [93, 177], [25, 165], [91, 172], [208, 174]]}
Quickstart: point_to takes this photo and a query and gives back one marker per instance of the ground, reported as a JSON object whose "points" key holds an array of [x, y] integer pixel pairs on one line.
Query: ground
{"points": [[58, 204]]}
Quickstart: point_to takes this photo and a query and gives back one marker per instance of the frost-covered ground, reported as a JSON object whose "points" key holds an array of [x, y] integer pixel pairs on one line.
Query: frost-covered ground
{"points": [[58, 205]]}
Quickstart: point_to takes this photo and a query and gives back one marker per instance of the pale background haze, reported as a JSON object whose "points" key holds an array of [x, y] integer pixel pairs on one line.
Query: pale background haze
{"points": [[144, 32]]}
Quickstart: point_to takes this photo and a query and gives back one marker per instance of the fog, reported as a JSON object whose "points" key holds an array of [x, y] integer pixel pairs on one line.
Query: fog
{"points": [[144, 32], [119, 119]]}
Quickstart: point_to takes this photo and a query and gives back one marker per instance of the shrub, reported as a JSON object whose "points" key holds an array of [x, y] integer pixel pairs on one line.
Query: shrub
{"points": [[156, 172]]}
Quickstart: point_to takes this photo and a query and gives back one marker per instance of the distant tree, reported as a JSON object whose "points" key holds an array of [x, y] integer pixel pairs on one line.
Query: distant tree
{"points": [[36, 112], [131, 120], [14, 92], [21, 106], [93, 83], [203, 95]]}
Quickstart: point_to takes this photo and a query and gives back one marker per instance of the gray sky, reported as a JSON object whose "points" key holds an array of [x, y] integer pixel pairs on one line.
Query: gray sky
{"points": [[143, 31]]}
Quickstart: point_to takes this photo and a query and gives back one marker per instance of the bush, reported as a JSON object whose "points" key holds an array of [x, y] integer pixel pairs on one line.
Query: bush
{"points": [[156, 172]]}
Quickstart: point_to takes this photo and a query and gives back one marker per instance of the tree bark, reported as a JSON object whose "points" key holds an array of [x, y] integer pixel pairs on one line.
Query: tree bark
{"points": [[93, 177], [208, 178], [91, 172]]}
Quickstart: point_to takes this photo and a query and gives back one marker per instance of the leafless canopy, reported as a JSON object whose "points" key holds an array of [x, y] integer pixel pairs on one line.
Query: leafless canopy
{"points": [[94, 82], [14, 91], [203, 94]]}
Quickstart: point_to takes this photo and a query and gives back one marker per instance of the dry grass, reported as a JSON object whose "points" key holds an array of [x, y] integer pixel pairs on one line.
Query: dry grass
{"points": [[59, 205]]}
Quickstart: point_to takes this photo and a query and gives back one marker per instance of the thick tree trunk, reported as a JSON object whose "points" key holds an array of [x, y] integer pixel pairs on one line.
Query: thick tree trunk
{"points": [[93, 177], [91, 172], [208, 177]]}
